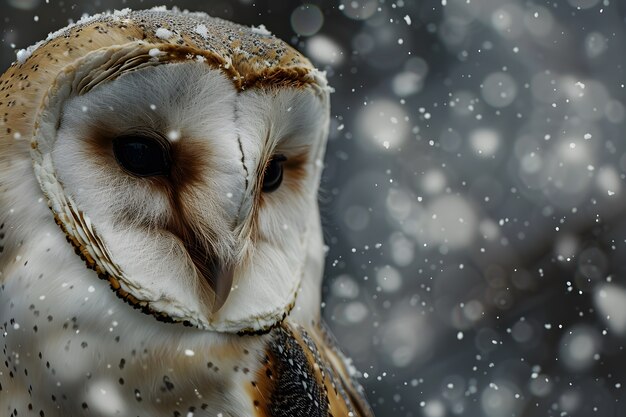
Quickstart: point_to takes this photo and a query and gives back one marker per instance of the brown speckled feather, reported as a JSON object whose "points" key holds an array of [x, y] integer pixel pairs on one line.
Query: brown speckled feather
{"points": [[305, 375]]}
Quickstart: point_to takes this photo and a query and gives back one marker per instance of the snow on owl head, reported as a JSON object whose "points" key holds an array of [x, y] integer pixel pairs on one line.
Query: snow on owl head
{"points": [[176, 157]]}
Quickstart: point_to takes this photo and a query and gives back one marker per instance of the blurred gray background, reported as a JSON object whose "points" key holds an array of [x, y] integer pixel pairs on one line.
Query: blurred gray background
{"points": [[473, 196]]}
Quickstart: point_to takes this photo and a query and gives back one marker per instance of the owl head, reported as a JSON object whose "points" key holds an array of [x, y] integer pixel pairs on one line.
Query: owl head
{"points": [[180, 155]]}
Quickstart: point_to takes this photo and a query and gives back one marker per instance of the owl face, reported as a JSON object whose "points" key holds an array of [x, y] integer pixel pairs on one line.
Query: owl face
{"points": [[183, 171]]}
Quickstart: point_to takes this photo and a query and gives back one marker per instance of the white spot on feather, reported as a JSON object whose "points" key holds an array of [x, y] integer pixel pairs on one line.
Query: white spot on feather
{"points": [[121, 13], [163, 33], [174, 135], [261, 30], [23, 55], [202, 31], [155, 52]]}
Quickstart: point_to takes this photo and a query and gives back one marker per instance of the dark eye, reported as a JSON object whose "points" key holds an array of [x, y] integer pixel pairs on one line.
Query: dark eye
{"points": [[273, 176], [141, 155]]}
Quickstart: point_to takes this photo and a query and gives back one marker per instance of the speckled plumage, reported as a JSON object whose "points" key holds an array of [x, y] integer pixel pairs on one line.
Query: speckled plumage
{"points": [[79, 236]]}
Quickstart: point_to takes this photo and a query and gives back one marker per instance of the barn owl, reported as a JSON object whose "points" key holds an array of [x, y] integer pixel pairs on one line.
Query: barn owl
{"points": [[161, 248]]}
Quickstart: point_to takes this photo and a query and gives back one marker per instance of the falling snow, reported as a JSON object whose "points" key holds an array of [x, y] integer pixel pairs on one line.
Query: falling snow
{"points": [[472, 197]]}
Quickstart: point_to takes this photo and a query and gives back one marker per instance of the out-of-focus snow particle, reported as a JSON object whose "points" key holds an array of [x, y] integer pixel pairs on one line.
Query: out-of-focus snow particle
{"points": [[507, 20], [522, 332], [402, 249], [407, 338], [614, 111], [455, 388], [538, 20], [541, 386], [566, 246], [450, 140], [406, 83], [452, 222], [24, 4], [610, 300], [307, 20], [595, 44], [489, 229], [583, 4], [473, 310], [499, 89], [578, 347], [498, 399], [375, 123], [324, 50], [389, 279], [357, 218], [363, 43], [570, 401], [399, 203], [531, 164], [543, 86], [463, 103], [434, 408], [485, 142], [344, 286], [417, 65], [355, 312], [434, 181], [608, 180], [358, 9], [590, 102]]}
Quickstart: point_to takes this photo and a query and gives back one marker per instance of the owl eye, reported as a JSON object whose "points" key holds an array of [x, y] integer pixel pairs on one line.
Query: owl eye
{"points": [[142, 155], [273, 175]]}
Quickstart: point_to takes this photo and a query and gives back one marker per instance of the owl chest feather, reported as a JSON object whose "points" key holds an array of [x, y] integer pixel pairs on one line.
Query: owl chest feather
{"points": [[74, 349]]}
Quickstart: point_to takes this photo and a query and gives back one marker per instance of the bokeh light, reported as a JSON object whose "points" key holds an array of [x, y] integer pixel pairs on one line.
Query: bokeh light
{"points": [[307, 20]]}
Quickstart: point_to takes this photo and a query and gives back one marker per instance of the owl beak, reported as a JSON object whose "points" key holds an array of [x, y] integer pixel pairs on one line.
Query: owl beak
{"points": [[221, 285], [217, 273], [212, 270]]}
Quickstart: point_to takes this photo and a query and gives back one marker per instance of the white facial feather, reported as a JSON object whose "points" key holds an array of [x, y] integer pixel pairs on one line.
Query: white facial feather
{"points": [[232, 137], [131, 214]]}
